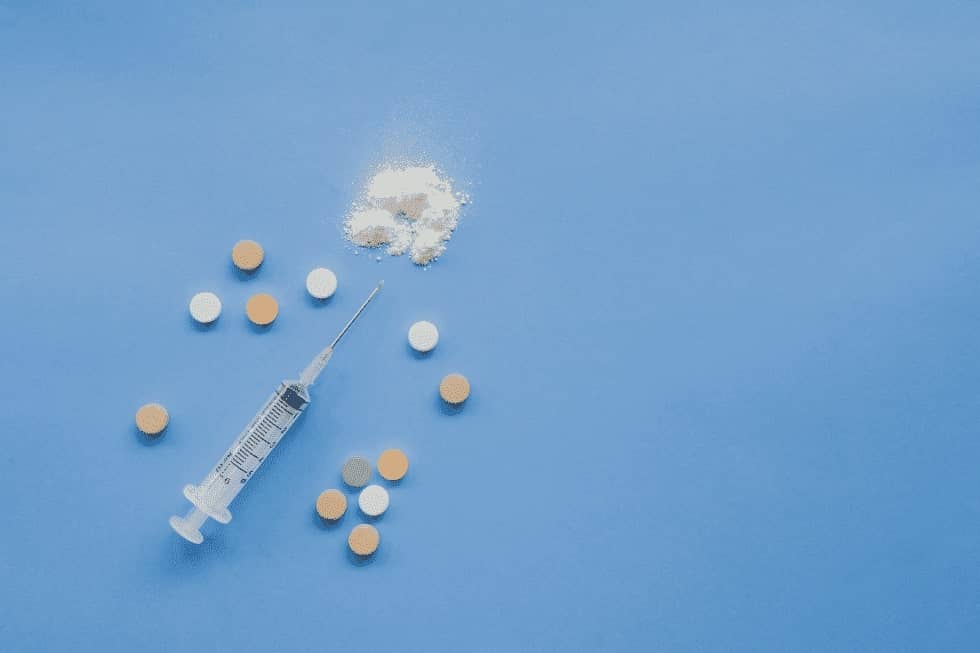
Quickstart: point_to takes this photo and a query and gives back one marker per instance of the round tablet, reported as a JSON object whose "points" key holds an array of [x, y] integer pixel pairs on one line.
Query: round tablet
{"points": [[373, 500], [151, 419], [247, 255], [356, 472], [393, 464], [205, 307], [423, 336], [364, 539], [262, 309], [321, 283], [454, 388], [331, 505]]}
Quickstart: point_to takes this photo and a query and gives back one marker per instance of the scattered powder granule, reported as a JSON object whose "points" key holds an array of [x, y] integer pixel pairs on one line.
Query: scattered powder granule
{"points": [[409, 209], [372, 227], [410, 206]]}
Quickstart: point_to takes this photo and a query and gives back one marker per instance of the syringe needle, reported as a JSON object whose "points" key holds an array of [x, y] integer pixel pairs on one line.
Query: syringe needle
{"points": [[316, 366], [357, 314], [214, 494]]}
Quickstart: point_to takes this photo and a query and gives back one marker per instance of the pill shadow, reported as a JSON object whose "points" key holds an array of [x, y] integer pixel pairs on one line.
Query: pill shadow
{"points": [[243, 275], [199, 326], [359, 560], [419, 355], [326, 524], [319, 303], [148, 440], [447, 408], [368, 519], [259, 328]]}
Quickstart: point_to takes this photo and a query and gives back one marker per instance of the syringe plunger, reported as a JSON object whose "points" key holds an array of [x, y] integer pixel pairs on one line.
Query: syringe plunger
{"points": [[211, 498]]}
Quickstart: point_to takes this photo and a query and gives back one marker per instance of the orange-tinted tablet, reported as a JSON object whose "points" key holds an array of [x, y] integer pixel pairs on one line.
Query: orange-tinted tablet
{"points": [[331, 505], [392, 464], [262, 309], [247, 255], [364, 540], [152, 419], [454, 388]]}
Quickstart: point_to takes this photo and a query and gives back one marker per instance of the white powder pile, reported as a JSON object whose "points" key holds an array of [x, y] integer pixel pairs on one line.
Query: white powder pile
{"points": [[410, 209]]}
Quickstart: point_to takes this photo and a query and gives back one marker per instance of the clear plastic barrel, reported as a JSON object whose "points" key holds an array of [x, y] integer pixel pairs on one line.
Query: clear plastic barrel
{"points": [[212, 496]]}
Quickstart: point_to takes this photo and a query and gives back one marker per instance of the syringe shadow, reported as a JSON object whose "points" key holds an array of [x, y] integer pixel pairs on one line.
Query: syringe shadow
{"points": [[191, 558], [184, 556]]}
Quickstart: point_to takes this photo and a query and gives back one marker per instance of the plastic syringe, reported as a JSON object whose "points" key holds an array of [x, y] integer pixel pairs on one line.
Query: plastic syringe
{"points": [[251, 448]]}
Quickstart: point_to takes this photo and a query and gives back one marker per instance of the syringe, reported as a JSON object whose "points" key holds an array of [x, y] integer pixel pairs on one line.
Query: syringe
{"points": [[215, 493]]}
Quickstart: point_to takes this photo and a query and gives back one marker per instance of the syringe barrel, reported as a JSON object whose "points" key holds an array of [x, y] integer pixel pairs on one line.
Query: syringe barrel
{"points": [[250, 449]]}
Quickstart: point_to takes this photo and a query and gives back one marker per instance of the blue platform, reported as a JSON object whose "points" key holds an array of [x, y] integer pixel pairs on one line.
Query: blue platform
{"points": [[717, 293]]}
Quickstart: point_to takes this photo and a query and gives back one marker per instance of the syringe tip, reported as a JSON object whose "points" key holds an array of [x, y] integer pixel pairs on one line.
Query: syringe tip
{"points": [[381, 284]]}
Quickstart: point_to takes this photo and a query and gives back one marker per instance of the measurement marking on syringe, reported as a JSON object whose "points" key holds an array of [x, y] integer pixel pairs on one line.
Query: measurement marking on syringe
{"points": [[263, 433]]}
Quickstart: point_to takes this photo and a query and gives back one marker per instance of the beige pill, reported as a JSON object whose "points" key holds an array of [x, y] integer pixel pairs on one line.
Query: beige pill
{"points": [[454, 388], [364, 539], [331, 505], [392, 464], [151, 419], [247, 255], [262, 309]]}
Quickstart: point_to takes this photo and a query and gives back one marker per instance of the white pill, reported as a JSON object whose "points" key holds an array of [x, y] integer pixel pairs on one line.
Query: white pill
{"points": [[205, 307], [373, 500], [423, 336], [321, 283]]}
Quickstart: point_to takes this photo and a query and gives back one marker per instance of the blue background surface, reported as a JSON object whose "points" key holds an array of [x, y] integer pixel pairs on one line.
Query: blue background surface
{"points": [[717, 294]]}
